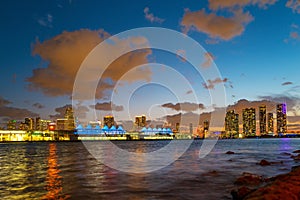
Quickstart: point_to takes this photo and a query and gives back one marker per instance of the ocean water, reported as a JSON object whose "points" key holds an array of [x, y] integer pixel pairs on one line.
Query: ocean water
{"points": [[66, 170]]}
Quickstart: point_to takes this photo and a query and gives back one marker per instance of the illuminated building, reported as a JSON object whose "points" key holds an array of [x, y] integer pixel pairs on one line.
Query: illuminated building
{"points": [[281, 118], [232, 124], [177, 126], [140, 121], [270, 123], [29, 122], [70, 120], [205, 125], [108, 121], [12, 125], [262, 120], [37, 123], [191, 128], [249, 122]]}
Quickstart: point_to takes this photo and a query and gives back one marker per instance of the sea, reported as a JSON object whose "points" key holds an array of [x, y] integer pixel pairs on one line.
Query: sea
{"points": [[68, 170]]}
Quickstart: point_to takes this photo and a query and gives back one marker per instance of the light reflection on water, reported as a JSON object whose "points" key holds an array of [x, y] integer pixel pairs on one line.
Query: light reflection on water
{"points": [[68, 171]]}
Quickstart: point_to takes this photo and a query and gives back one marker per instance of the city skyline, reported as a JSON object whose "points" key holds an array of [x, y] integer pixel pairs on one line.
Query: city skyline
{"points": [[255, 51]]}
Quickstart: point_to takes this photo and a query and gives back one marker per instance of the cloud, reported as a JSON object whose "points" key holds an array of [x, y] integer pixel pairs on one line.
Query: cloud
{"points": [[46, 21], [38, 105], [294, 34], [181, 54], [208, 59], [229, 4], [65, 52], [150, 17], [287, 83], [4, 102], [216, 26], [60, 112], [294, 5], [13, 112], [212, 83], [189, 92], [186, 106], [108, 106]]}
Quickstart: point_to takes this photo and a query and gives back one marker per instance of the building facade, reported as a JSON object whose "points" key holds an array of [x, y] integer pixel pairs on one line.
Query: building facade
{"points": [[262, 120], [281, 118], [270, 123], [249, 122], [108, 121], [231, 124]]}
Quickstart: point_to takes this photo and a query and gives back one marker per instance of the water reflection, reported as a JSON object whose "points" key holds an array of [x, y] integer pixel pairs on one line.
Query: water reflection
{"points": [[54, 180]]}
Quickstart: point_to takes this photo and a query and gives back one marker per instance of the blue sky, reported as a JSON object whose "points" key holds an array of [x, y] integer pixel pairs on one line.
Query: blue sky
{"points": [[254, 44]]}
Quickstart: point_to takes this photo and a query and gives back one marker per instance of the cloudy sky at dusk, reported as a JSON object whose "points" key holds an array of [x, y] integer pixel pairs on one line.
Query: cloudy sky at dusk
{"points": [[254, 44]]}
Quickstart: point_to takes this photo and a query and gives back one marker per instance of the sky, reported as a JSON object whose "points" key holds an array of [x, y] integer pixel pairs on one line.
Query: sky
{"points": [[254, 45]]}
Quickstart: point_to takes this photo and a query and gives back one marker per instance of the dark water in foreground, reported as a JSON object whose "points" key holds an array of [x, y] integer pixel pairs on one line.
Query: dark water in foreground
{"points": [[68, 171]]}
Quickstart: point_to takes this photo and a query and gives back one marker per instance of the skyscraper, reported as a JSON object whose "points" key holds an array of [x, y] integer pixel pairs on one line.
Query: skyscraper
{"points": [[109, 121], [205, 125], [29, 122], [249, 122], [232, 124], [140, 121], [262, 120], [70, 120], [281, 118], [270, 123]]}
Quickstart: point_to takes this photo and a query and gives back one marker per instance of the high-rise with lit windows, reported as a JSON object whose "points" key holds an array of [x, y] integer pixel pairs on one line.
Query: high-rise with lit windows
{"points": [[232, 124], [249, 122], [281, 118], [108, 121], [270, 123], [262, 120]]}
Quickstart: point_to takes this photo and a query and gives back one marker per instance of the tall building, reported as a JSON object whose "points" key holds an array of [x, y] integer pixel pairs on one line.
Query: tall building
{"points": [[140, 121], [232, 124], [29, 123], [262, 120], [270, 123], [191, 128], [281, 118], [37, 123], [12, 125], [68, 122], [249, 122], [205, 125], [108, 121]]}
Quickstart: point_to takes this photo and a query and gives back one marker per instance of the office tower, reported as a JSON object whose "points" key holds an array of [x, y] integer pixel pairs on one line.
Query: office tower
{"points": [[177, 126], [262, 120], [205, 125], [281, 118], [140, 121], [108, 121], [37, 123], [232, 124], [29, 123], [12, 125], [191, 128], [270, 123], [249, 122], [69, 119]]}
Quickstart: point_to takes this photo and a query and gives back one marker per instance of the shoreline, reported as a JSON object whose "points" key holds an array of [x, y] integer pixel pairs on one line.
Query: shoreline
{"points": [[282, 186]]}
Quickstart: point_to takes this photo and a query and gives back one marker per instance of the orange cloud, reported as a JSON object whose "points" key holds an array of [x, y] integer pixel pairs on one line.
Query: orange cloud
{"points": [[208, 58], [221, 4], [212, 83], [216, 26], [65, 52], [150, 17], [294, 5], [181, 54]]}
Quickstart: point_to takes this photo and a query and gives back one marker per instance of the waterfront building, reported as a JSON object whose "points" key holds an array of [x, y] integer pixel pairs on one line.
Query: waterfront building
{"points": [[205, 125], [29, 123], [12, 125], [262, 120], [231, 124], [108, 121], [68, 122], [140, 121], [270, 123], [249, 122], [281, 118]]}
